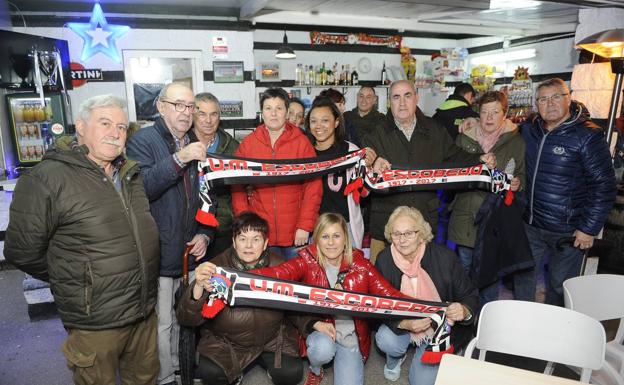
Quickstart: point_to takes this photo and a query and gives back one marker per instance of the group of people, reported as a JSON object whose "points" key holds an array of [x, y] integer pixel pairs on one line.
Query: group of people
{"points": [[106, 221]]}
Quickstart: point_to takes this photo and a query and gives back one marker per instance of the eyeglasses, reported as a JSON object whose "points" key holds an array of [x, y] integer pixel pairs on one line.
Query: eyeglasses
{"points": [[181, 107], [542, 101], [409, 235]]}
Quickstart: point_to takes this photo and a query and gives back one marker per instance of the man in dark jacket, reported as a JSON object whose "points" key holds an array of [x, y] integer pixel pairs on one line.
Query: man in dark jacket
{"points": [[570, 187], [206, 128], [80, 220], [364, 117], [456, 108], [409, 138], [167, 159]]}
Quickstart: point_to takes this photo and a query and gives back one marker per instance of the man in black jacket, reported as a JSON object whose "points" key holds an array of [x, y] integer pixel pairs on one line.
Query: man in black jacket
{"points": [[456, 108], [80, 220], [409, 138], [167, 157]]}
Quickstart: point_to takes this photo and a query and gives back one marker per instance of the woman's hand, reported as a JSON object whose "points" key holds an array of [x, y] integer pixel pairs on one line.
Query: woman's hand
{"points": [[456, 312], [416, 325], [325, 328], [301, 237], [381, 165], [515, 184], [203, 273], [371, 155], [467, 125]]}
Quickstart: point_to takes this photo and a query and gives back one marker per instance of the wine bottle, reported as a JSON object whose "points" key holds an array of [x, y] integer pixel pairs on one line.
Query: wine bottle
{"points": [[384, 74], [355, 78]]}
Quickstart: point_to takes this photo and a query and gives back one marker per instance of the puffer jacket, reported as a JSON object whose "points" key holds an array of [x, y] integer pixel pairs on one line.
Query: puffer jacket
{"points": [[361, 277], [429, 145], [510, 145], [285, 206], [237, 336], [97, 247], [570, 176], [153, 147]]}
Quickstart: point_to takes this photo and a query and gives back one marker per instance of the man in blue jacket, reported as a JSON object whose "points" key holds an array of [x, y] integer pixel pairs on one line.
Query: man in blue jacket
{"points": [[167, 158], [570, 187]]}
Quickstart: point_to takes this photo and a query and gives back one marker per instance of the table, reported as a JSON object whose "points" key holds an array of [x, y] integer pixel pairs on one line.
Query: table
{"points": [[459, 370]]}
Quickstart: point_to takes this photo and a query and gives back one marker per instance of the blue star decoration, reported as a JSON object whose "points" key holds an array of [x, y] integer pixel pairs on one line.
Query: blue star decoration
{"points": [[98, 35]]}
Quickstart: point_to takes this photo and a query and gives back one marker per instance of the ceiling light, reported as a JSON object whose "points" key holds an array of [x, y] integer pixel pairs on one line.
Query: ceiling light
{"points": [[504, 56], [513, 4], [285, 52]]}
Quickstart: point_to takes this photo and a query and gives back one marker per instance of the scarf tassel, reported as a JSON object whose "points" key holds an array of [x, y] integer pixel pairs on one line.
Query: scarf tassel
{"points": [[357, 189], [210, 309], [509, 198], [434, 357], [206, 218]]}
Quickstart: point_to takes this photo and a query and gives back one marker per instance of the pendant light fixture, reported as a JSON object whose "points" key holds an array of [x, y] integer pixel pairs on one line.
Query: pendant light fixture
{"points": [[285, 52]]}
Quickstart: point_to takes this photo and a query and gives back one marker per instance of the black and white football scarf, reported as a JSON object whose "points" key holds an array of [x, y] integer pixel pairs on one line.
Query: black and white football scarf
{"points": [[238, 288], [220, 169]]}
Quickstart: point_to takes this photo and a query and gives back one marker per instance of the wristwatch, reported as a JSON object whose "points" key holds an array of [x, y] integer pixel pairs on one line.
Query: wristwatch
{"points": [[469, 316]]}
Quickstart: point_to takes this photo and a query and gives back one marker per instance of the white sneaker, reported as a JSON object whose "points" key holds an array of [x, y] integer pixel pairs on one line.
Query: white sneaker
{"points": [[394, 374]]}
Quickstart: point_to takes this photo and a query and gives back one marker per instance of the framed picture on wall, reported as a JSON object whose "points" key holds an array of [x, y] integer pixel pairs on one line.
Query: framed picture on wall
{"points": [[231, 108], [228, 71], [270, 72]]}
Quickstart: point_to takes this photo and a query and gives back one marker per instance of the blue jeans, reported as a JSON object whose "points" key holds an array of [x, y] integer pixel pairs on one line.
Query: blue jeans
{"points": [[465, 257], [562, 265], [348, 362], [395, 346], [288, 252]]}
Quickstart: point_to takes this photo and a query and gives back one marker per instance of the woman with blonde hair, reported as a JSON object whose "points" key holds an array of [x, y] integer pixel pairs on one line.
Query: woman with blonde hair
{"points": [[425, 271]]}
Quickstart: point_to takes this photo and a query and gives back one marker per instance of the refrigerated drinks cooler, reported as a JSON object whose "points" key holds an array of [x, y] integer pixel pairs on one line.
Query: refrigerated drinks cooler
{"points": [[34, 126]]}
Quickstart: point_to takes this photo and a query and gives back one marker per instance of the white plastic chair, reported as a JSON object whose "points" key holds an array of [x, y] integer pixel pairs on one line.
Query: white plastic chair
{"points": [[600, 297], [544, 332]]}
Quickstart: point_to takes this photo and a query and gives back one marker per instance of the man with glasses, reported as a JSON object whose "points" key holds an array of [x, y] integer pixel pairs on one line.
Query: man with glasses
{"points": [[570, 188], [167, 157], [207, 118]]}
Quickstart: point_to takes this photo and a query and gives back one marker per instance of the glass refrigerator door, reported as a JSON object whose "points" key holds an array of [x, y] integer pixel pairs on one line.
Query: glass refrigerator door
{"points": [[34, 126]]}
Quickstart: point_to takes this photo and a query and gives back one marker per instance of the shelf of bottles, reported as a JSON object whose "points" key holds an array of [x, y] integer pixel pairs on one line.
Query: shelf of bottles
{"points": [[322, 76]]}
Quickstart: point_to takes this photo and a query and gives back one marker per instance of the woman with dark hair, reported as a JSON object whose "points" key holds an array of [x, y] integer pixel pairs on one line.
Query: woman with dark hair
{"points": [[239, 336], [325, 124], [290, 208], [331, 262], [339, 100]]}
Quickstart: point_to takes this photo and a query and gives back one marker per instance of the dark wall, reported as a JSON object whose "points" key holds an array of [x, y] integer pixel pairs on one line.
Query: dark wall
{"points": [[16, 46]]}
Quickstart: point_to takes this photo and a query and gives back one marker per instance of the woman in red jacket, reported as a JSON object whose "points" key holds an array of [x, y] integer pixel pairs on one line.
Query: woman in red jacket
{"points": [[290, 216], [331, 262]]}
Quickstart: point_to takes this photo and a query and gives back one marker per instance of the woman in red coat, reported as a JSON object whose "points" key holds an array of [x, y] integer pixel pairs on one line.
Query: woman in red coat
{"points": [[290, 208], [331, 262]]}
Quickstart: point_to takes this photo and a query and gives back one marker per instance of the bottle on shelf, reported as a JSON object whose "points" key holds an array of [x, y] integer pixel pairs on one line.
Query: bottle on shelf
{"points": [[330, 77], [355, 78], [343, 78], [323, 74], [310, 78], [46, 136], [348, 76], [336, 74], [298, 75], [384, 74], [318, 78]]}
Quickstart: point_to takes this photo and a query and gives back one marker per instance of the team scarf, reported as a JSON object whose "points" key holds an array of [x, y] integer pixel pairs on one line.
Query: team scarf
{"points": [[238, 288], [228, 170]]}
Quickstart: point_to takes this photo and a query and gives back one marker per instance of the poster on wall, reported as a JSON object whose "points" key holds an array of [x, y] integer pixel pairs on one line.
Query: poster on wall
{"points": [[270, 72], [228, 71], [219, 47], [231, 108]]}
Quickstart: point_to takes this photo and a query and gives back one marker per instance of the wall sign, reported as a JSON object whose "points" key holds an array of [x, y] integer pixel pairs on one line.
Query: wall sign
{"points": [[393, 41], [80, 75], [99, 36], [219, 47]]}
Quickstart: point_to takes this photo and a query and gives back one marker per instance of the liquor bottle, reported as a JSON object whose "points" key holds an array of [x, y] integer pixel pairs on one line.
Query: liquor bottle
{"points": [[348, 75], [355, 78], [330, 77], [311, 76], [343, 78], [318, 76], [336, 74], [323, 74], [384, 74], [298, 72]]}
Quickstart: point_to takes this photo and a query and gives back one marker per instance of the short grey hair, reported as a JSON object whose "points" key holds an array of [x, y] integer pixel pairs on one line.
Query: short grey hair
{"points": [[163, 92], [99, 101], [207, 97], [422, 226], [553, 82]]}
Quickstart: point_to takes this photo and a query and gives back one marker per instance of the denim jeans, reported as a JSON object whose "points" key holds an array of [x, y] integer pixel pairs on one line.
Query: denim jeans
{"points": [[465, 257], [288, 252], [348, 362], [395, 346], [489, 293], [562, 264]]}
